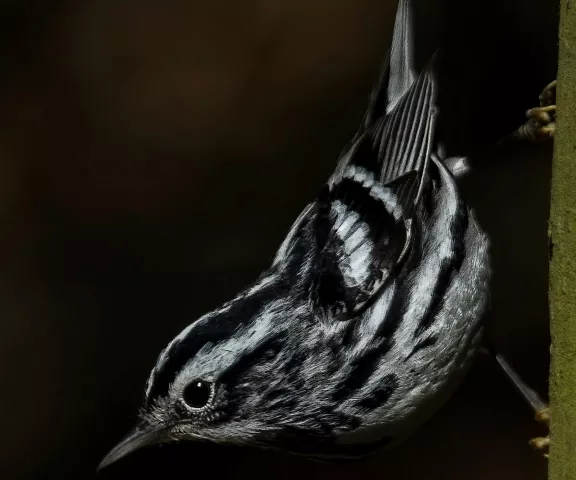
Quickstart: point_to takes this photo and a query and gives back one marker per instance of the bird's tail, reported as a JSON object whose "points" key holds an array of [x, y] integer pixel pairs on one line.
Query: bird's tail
{"points": [[397, 73]]}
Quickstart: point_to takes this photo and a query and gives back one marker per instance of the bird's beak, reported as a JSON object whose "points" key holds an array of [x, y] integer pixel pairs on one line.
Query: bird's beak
{"points": [[136, 439]]}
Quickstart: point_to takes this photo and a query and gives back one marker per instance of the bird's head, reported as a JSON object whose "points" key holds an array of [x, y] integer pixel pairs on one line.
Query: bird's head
{"points": [[241, 375]]}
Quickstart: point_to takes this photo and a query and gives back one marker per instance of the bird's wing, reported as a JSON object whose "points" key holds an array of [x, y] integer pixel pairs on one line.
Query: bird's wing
{"points": [[361, 232], [359, 229]]}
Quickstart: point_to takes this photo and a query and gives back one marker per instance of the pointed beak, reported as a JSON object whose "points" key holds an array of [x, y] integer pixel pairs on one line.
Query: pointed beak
{"points": [[136, 439]]}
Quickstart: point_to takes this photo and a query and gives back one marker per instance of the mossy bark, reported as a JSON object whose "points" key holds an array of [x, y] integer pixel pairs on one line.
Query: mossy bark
{"points": [[563, 262]]}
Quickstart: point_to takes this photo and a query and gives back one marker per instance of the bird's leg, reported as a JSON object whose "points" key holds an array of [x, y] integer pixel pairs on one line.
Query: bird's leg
{"points": [[540, 407], [541, 123]]}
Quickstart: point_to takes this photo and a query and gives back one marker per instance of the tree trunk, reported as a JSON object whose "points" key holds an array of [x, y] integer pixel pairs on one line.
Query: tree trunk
{"points": [[563, 261]]}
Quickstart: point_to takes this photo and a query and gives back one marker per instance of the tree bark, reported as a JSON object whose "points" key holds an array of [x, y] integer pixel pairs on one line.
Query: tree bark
{"points": [[563, 259]]}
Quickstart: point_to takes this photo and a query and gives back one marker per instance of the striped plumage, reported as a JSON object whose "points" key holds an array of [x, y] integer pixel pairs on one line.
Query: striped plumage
{"points": [[368, 315]]}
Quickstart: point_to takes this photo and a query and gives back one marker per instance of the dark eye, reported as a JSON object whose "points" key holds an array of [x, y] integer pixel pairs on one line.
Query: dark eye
{"points": [[197, 394]]}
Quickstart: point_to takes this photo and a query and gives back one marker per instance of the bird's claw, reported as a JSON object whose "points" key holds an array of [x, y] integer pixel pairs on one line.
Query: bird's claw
{"points": [[542, 444], [541, 123], [543, 416]]}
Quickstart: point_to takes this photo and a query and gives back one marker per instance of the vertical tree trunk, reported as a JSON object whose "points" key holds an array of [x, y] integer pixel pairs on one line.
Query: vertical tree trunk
{"points": [[563, 263]]}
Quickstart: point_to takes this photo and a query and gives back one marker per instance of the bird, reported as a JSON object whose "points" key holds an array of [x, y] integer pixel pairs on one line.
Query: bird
{"points": [[369, 314]]}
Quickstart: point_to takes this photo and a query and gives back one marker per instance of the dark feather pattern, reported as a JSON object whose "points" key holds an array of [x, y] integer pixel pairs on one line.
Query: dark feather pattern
{"points": [[210, 330], [369, 314], [358, 243]]}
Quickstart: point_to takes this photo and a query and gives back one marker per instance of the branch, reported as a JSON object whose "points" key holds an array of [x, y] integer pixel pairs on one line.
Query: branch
{"points": [[563, 262]]}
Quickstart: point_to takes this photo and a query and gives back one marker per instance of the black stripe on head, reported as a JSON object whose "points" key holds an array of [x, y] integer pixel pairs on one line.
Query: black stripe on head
{"points": [[212, 330], [237, 390], [362, 369], [265, 352], [380, 395]]}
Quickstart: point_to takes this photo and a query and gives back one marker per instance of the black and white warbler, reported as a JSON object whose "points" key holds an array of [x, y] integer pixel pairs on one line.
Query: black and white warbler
{"points": [[368, 316]]}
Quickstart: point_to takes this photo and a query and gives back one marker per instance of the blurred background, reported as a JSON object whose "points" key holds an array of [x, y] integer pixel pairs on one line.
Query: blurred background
{"points": [[154, 154]]}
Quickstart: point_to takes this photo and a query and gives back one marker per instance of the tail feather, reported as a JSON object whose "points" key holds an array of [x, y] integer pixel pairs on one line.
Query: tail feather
{"points": [[405, 140], [397, 73], [402, 74], [397, 135]]}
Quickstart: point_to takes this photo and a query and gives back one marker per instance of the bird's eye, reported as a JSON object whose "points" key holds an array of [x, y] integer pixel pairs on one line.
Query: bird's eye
{"points": [[197, 394]]}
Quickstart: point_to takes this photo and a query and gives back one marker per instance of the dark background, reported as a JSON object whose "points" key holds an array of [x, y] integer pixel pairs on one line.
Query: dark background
{"points": [[153, 156]]}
